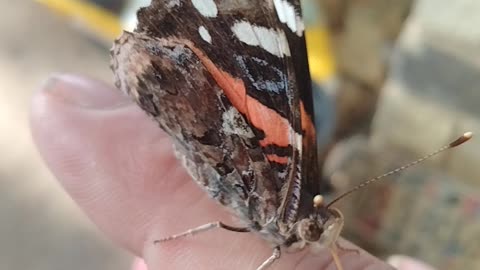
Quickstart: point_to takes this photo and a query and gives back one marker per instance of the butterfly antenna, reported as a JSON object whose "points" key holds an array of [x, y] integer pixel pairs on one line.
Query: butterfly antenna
{"points": [[460, 140]]}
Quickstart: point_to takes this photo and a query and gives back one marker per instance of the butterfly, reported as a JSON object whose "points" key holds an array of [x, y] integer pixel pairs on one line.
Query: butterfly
{"points": [[228, 80]]}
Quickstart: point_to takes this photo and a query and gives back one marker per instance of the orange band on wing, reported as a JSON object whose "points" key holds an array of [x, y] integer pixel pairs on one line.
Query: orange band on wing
{"points": [[307, 124], [277, 130], [278, 159]]}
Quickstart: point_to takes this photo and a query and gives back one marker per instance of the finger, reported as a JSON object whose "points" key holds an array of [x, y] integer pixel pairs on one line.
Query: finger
{"points": [[119, 167], [104, 150], [222, 251]]}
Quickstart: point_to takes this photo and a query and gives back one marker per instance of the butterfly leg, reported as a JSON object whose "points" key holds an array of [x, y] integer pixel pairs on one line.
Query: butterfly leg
{"points": [[268, 262], [332, 234], [337, 230], [203, 228]]}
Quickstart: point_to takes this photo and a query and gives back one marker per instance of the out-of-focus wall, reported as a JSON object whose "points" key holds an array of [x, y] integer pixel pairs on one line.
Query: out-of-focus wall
{"points": [[429, 97]]}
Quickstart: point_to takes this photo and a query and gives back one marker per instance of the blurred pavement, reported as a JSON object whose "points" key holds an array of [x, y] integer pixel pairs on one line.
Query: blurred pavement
{"points": [[41, 228]]}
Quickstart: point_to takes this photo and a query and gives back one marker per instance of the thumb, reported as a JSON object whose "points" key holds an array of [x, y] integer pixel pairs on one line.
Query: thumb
{"points": [[106, 153]]}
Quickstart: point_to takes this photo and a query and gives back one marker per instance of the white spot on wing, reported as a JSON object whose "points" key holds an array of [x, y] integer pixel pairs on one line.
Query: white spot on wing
{"points": [[299, 142], [234, 123], [273, 41], [286, 14], [173, 3], [275, 84], [207, 8], [283, 174], [205, 34]]}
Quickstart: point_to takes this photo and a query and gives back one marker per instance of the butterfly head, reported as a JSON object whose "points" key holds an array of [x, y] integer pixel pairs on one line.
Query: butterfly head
{"points": [[322, 227]]}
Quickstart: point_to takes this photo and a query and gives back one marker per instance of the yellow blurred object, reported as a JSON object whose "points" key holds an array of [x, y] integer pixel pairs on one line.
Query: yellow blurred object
{"points": [[103, 23], [320, 54], [108, 26]]}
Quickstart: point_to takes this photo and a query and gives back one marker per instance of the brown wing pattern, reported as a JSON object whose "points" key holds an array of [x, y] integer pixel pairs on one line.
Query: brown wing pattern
{"points": [[229, 81]]}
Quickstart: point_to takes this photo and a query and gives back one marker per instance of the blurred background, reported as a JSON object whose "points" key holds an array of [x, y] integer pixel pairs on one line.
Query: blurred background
{"points": [[41, 228], [395, 79]]}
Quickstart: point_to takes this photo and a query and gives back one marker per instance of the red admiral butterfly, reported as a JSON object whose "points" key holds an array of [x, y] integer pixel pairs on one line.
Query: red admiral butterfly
{"points": [[228, 80]]}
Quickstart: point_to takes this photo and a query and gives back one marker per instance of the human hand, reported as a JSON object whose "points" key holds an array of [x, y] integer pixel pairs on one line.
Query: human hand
{"points": [[119, 167]]}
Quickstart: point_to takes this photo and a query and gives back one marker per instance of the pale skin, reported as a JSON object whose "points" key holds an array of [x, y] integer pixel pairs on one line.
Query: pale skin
{"points": [[119, 167]]}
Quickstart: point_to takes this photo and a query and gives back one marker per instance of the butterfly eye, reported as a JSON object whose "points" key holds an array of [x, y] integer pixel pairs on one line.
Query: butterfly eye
{"points": [[310, 230]]}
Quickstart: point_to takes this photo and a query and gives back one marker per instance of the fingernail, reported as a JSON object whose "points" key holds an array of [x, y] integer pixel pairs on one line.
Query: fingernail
{"points": [[84, 92], [139, 264], [402, 262]]}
